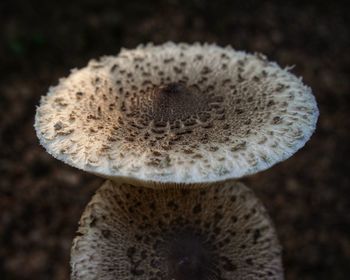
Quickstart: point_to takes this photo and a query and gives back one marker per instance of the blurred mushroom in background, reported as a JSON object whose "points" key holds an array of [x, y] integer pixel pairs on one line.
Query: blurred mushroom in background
{"points": [[220, 232]]}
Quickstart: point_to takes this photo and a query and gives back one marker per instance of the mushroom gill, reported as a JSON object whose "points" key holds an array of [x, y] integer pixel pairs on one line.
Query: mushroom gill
{"points": [[220, 232], [177, 113]]}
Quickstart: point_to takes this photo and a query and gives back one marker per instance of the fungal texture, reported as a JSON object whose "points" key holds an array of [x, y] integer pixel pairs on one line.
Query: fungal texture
{"points": [[177, 113], [220, 232]]}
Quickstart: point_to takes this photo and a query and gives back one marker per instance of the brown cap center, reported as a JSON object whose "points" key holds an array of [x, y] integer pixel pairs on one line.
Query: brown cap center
{"points": [[174, 101]]}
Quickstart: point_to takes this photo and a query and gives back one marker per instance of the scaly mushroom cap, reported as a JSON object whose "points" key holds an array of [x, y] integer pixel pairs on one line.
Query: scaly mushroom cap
{"points": [[220, 232], [177, 113]]}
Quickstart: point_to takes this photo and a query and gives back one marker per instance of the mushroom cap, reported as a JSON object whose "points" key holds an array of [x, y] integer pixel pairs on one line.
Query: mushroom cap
{"points": [[220, 232], [176, 113]]}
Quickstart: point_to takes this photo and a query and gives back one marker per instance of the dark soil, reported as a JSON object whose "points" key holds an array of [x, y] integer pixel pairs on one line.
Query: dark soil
{"points": [[41, 199]]}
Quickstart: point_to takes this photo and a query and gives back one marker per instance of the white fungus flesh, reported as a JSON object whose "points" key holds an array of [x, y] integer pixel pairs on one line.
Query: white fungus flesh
{"points": [[221, 232], [177, 113]]}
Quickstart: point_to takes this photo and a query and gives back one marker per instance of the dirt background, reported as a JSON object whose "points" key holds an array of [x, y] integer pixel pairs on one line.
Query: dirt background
{"points": [[41, 199]]}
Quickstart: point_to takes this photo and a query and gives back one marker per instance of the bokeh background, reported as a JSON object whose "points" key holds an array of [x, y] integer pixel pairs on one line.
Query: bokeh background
{"points": [[41, 199]]}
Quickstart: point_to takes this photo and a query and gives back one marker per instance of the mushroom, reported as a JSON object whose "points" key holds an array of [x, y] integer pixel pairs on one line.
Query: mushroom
{"points": [[176, 114], [221, 232], [185, 116]]}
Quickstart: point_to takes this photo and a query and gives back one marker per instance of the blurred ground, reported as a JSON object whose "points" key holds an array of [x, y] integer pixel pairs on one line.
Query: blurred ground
{"points": [[41, 199]]}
